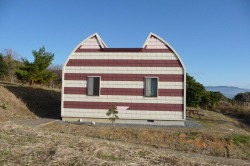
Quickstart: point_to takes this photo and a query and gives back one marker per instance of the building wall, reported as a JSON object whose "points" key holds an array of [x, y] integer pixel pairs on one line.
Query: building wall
{"points": [[122, 83]]}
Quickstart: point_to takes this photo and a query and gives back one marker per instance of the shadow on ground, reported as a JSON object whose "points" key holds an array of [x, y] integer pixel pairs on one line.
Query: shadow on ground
{"points": [[43, 103]]}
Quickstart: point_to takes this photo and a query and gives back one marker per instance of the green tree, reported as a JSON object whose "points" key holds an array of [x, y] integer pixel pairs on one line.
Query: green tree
{"points": [[194, 91], [3, 67], [242, 97], [215, 98], [37, 71], [112, 114], [197, 96], [205, 100]]}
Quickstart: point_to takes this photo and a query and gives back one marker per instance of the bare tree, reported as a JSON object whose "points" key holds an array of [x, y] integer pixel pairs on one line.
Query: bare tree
{"points": [[57, 70], [11, 61]]}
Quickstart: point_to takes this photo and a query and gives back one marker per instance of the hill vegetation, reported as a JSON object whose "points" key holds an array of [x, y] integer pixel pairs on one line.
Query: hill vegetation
{"points": [[198, 97], [242, 98], [36, 72], [40, 71]]}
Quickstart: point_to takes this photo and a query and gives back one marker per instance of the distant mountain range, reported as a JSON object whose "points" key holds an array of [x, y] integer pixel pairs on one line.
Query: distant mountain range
{"points": [[228, 91]]}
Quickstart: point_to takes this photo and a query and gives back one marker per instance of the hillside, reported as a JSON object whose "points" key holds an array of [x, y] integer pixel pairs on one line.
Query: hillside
{"points": [[221, 141], [228, 91], [13, 108], [27, 103]]}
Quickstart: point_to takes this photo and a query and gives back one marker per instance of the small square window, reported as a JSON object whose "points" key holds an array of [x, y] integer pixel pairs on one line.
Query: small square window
{"points": [[93, 86], [151, 87]]}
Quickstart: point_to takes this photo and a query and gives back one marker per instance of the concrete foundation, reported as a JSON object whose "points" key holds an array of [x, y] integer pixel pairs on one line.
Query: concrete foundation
{"points": [[127, 121]]}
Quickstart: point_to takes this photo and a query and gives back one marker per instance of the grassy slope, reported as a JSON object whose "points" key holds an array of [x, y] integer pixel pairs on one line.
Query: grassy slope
{"points": [[12, 107], [69, 144], [40, 102]]}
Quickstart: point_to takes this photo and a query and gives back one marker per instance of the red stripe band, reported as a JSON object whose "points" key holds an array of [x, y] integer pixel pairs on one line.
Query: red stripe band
{"points": [[124, 91], [127, 63], [132, 106], [125, 77]]}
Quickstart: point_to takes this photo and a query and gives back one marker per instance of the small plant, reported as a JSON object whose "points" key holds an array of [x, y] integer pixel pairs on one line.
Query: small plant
{"points": [[6, 152], [109, 157], [112, 114], [241, 139], [3, 106]]}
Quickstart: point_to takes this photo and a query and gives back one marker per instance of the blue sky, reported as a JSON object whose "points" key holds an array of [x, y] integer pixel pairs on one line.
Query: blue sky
{"points": [[212, 37]]}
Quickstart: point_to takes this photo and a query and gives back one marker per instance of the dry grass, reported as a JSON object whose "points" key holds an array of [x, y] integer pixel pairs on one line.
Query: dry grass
{"points": [[43, 103], [235, 109], [200, 141], [217, 122], [26, 146], [13, 108]]}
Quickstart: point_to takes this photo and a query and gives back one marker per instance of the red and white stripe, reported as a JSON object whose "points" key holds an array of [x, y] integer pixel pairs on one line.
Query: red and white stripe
{"points": [[122, 73]]}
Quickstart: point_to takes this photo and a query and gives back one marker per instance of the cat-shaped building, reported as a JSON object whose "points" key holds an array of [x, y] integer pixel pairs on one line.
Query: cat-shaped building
{"points": [[148, 84]]}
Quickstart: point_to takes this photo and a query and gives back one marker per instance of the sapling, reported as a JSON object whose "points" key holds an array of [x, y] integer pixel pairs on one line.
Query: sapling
{"points": [[112, 114]]}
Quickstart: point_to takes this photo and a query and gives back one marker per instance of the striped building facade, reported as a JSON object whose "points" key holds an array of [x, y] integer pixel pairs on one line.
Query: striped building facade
{"points": [[148, 84]]}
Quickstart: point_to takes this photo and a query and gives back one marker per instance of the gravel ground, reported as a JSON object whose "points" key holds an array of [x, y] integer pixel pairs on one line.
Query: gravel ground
{"points": [[189, 123]]}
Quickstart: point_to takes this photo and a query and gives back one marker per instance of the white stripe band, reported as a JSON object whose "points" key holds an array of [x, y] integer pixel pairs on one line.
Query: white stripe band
{"points": [[139, 56], [130, 114], [124, 70], [124, 99]]}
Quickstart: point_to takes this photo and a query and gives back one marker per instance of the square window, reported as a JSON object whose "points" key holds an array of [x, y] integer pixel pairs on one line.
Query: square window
{"points": [[151, 87], [93, 86]]}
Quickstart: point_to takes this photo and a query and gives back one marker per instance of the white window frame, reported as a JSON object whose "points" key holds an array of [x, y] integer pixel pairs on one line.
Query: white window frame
{"points": [[157, 91], [93, 86]]}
